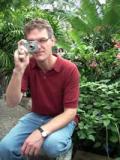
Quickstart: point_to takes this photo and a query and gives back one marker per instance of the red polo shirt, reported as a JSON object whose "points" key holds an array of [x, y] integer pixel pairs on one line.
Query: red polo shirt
{"points": [[55, 90]]}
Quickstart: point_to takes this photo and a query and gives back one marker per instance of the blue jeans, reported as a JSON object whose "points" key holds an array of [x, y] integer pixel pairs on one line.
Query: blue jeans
{"points": [[55, 144]]}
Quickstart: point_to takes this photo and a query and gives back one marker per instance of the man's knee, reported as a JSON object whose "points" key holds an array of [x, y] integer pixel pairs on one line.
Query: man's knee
{"points": [[54, 146], [4, 149], [7, 150]]}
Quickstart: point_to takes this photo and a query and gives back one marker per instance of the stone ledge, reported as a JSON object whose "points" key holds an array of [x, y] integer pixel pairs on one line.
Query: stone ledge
{"points": [[26, 103], [82, 155], [66, 156]]}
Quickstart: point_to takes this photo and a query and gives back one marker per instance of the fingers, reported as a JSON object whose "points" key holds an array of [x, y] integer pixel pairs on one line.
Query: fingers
{"points": [[27, 149], [21, 42], [20, 55], [30, 150], [36, 152], [23, 149], [33, 151], [21, 45], [22, 50], [16, 55]]}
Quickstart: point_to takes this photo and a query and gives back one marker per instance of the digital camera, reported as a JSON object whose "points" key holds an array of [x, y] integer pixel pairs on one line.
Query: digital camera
{"points": [[31, 46]]}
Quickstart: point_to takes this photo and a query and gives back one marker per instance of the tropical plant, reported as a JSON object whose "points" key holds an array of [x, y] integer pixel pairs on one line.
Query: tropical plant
{"points": [[99, 112], [94, 23]]}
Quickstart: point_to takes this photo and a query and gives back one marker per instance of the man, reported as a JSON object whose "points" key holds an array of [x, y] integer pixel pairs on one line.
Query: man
{"points": [[54, 86]]}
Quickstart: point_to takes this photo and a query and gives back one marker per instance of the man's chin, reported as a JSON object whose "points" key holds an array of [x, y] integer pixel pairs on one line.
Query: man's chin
{"points": [[39, 58], [36, 55]]}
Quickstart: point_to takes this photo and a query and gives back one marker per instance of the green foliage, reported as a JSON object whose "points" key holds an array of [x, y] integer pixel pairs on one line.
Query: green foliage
{"points": [[6, 5], [94, 23], [99, 112], [94, 32], [95, 66]]}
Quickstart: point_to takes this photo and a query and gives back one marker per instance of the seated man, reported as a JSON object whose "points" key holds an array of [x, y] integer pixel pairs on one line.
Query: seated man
{"points": [[54, 87]]}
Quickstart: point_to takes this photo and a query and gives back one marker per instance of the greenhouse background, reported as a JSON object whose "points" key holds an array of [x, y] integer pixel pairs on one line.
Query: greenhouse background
{"points": [[87, 33]]}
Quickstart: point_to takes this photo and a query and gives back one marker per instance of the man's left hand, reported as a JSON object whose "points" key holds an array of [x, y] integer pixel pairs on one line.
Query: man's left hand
{"points": [[32, 144]]}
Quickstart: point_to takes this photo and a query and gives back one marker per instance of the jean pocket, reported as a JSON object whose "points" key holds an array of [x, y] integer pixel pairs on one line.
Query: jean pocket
{"points": [[74, 123]]}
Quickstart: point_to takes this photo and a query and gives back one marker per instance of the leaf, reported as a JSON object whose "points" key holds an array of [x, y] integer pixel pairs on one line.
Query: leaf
{"points": [[97, 144], [106, 122], [91, 137], [114, 138]]}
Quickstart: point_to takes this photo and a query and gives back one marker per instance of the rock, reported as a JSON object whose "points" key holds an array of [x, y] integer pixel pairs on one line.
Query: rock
{"points": [[9, 117], [26, 103], [82, 155]]}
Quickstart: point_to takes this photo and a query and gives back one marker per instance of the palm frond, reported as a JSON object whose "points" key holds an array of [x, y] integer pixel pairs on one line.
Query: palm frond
{"points": [[111, 13]]}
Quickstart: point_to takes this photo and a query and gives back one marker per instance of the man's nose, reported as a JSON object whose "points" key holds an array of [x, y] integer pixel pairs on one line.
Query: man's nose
{"points": [[39, 46]]}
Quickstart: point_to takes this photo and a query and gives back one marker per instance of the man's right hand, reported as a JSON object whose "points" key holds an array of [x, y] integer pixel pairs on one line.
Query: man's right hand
{"points": [[21, 58]]}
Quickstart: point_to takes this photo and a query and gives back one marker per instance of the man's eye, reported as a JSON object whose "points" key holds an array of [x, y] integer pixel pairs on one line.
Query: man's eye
{"points": [[42, 40]]}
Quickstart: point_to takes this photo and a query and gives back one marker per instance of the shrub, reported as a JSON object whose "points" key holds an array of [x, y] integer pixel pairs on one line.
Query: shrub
{"points": [[99, 112]]}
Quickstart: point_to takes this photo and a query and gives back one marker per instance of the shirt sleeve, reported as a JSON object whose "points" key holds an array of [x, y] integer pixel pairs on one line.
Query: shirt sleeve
{"points": [[71, 90], [25, 80]]}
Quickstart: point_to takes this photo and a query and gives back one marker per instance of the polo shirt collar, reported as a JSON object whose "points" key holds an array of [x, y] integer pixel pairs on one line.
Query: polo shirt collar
{"points": [[57, 66]]}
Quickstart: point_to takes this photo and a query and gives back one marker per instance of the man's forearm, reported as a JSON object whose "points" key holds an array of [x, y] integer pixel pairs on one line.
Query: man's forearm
{"points": [[13, 92], [59, 121]]}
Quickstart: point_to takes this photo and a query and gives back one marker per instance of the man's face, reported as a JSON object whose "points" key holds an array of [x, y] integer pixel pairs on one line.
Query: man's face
{"points": [[45, 43]]}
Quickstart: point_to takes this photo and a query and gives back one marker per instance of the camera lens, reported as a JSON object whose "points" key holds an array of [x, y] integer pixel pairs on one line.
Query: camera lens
{"points": [[32, 47]]}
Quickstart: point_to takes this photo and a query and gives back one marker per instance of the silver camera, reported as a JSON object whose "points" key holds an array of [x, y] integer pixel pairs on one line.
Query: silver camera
{"points": [[31, 46]]}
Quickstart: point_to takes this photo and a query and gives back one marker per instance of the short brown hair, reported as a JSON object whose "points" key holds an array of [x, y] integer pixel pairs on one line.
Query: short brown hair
{"points": [[39, 24]]}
